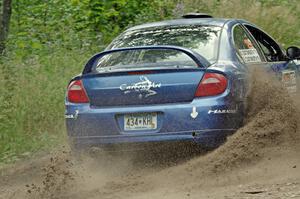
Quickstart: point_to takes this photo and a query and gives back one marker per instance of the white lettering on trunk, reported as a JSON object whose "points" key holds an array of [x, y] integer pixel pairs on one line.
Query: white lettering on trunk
{"points": [[225, 111], [144, 87]]}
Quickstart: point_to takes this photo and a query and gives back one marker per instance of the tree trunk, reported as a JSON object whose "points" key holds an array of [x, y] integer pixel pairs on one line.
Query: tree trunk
{"points": [[4, 23]]}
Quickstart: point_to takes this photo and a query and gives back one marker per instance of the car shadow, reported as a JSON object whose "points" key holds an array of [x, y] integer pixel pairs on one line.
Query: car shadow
{"points": [[148, 156]]}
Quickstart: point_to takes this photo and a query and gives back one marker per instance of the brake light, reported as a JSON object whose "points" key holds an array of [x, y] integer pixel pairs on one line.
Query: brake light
{"points": [[139, 72], [76, 92], [211, 84]]}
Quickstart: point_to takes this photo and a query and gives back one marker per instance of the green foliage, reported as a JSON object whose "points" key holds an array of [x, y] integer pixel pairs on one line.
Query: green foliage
{"points": [[42, 25], [279, 18], [108, 18], [76, 24]]}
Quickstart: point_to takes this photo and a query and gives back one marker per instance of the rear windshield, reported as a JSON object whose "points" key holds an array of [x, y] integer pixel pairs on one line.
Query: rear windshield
{"points": [[201, 38], [143, 59]]}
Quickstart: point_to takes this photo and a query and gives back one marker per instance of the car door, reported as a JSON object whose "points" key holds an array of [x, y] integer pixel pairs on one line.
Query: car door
{"points": [[275, 58]]}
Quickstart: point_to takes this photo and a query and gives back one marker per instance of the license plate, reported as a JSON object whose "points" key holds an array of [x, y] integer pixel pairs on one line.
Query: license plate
{"points": [[140, 121], [289, 80]]}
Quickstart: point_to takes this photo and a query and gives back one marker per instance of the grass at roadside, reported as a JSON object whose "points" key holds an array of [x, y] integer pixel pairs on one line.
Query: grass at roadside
{"points": [[32, 100]]}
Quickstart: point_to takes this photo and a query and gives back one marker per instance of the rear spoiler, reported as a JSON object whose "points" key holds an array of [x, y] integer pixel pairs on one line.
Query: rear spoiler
{"points": [[199, 60]]}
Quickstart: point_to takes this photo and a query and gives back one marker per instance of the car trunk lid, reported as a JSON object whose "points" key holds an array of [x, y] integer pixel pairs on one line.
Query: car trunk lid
{"points": [[156, 88]]}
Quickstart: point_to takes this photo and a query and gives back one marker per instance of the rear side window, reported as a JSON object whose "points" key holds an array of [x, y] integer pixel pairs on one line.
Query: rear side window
{"points": [[247, 49], [203, 39]]}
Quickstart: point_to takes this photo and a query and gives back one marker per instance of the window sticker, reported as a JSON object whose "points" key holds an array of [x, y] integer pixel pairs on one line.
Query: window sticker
{"points": [[250, 55], [289, 80]]}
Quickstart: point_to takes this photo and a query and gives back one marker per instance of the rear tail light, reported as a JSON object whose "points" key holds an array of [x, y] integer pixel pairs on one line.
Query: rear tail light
{"points": [[211, 84], [76, 92]]}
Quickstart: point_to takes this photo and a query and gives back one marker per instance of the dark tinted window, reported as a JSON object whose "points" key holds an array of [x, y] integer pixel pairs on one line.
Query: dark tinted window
{"points": [[202, 39], [270, 48]]}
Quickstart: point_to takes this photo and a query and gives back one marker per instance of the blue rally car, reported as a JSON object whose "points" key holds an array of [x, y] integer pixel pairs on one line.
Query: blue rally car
{"points": [[176, 80]]}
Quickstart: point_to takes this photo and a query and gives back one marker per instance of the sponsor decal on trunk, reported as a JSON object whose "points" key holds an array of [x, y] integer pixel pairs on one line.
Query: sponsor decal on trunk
{"points": [[144, 87], [222, 111]]}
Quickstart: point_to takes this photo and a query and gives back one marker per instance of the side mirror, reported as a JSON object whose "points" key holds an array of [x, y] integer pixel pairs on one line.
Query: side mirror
{"points": [[293, 52]]}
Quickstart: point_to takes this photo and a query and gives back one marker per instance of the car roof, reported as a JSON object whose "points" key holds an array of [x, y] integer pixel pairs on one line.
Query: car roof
{"points": [[197, 21]]}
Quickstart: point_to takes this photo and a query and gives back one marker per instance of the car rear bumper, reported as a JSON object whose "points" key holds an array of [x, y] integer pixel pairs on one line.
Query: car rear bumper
{"points": [[216, 118], [207, 138]]}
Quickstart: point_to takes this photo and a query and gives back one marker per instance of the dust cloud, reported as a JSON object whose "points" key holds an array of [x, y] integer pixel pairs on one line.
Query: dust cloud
{"points": [[266, 146]]}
